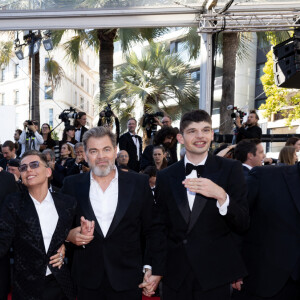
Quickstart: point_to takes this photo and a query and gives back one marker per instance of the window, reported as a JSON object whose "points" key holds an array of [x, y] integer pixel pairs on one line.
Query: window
{"points": [[82, 80], [46, 63], [87, 85], [17, 97], [180, 48], [75, 99], [2, 99], [48, 92], [51, 117], [2, 74], [16, 71], [87, 106], [81, 103]]}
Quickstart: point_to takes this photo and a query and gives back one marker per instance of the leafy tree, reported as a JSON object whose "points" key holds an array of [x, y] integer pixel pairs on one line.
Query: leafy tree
{"points": [[286, 101]]}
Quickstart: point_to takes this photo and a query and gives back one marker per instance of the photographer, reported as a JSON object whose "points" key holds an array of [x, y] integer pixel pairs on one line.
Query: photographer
{"points": [[79, 124], [250, 129], [105, 120], [165, 137], [30, 139]]}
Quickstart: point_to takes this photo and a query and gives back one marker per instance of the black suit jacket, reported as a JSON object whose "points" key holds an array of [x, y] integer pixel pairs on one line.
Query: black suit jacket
{"points": [[203, 240], [248, 133], [20, 226], [126, 143], [246, 172], [83, 131], [7, 186], [271, 247], [118, 255]]}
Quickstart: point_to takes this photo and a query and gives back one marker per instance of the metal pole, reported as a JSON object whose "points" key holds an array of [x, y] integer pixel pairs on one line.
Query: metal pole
{"points": [[206, 65], [32, 80]]}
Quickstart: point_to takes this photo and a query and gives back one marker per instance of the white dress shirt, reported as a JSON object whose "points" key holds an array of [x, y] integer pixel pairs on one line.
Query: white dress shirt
{"points": [[38, 140], [48, 218], [137, 144], [191, 195], [104, 204], [247, 166], [78, 134]]}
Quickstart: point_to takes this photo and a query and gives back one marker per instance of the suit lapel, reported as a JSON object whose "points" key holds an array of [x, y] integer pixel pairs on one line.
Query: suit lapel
{"points": [[179, 191], [131, 140], [83, 190], [211, 172], [292, 178], [124, 198]]}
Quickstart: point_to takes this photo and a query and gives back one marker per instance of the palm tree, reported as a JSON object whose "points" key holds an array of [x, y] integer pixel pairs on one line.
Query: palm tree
{"points": [[156, 79]]}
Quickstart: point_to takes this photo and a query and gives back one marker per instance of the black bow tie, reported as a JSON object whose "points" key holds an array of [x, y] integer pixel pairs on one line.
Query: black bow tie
{"points": [[190, 167], [77, 129], [134, 135]]}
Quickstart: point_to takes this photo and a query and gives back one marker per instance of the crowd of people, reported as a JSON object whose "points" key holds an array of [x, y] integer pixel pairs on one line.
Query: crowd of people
{"points": [[111, 219]]}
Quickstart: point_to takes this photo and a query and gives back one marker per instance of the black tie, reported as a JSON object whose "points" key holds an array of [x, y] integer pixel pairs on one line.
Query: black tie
{"points": [[190, 167]]}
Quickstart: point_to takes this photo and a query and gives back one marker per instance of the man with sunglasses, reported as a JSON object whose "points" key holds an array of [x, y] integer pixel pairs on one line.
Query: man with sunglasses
{"points": [[37, 223]]}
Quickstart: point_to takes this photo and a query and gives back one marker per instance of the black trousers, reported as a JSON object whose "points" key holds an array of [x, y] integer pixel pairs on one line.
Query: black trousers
{"points": [[106, 292], [191, 290], [290, 291], [52, 290]]}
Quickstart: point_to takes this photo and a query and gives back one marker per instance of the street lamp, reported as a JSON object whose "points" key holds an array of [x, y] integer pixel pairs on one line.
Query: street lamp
{"points": [[33, 40]]}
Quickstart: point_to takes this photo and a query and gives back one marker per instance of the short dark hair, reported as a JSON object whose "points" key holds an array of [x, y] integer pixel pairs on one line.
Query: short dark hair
{"points": [[132, 119], [19, 131], [292, 141], [150, 171], [81, 114], [98, 132], [253, 111], [11, 145], [42, 156], [244, 147], [197, 116]]}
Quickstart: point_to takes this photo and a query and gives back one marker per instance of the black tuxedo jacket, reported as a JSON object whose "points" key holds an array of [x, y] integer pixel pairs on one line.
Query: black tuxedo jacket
{"points": [[203, 240], [118, 255], [83, 131], [20, 226], [246, 172], [271, 247], [126, 143], [249, 133], [7, 186]]}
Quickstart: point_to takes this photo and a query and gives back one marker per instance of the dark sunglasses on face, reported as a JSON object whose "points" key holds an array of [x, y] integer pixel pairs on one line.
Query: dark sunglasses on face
{"points": [[32, 165]]}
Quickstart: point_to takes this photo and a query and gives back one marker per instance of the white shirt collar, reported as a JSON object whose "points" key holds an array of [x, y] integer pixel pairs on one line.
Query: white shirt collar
{"points": [[201, 163], [48, 198], [247, 166]]}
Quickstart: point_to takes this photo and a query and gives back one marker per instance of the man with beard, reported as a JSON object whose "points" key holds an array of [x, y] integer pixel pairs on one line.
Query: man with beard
{"points": [[250, 129], [120, 203]]}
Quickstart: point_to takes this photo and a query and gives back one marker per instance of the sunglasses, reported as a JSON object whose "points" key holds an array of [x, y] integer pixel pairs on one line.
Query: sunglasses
{"points": [[32, 165]]}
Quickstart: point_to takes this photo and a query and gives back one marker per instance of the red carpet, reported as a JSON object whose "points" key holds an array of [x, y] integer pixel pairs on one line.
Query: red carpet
{"points": [[144, 298]]}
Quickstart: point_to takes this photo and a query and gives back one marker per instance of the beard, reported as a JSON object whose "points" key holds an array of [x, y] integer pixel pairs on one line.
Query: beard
{"points": [[102, 171]]}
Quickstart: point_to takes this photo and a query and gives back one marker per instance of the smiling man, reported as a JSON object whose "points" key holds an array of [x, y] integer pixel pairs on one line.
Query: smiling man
{"points": [[37, 223], [201, 199], [120, 203]]}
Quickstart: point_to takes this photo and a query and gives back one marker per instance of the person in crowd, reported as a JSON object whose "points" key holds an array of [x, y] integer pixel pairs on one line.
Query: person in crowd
{"points": [[201, 200], [68, 136], [288, 156], [151, 171], [9, 152], [132, 143], [295, 142], [7, 186], [122, 160], [79, 124], [66, 154], [225, 150], [106, 121], [13, 168], [164, 137], [159, 158], [120, 204], [37, 223], [250, 129], [78, 164], [30, 139], [271, 246], [58, 175], [250, 153], [17, 134], [49, 143]]}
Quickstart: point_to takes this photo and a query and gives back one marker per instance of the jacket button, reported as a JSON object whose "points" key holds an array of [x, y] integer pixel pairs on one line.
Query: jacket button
{"points": [[184, 242]]}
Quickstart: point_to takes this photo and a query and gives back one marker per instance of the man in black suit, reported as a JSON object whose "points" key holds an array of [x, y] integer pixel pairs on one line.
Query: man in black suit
{"points": [[202, 200], [250, 153], [7, 186], [80, 128], [9, 152], [249, 130], [37, 223], [120, 203], [133, 144], [271, 246]]}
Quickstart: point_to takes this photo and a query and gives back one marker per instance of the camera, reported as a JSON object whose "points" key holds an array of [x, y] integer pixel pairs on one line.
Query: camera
{"points": [[236, 112], [106, 112], [148, 119], [29, 122], [67, 114]]}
